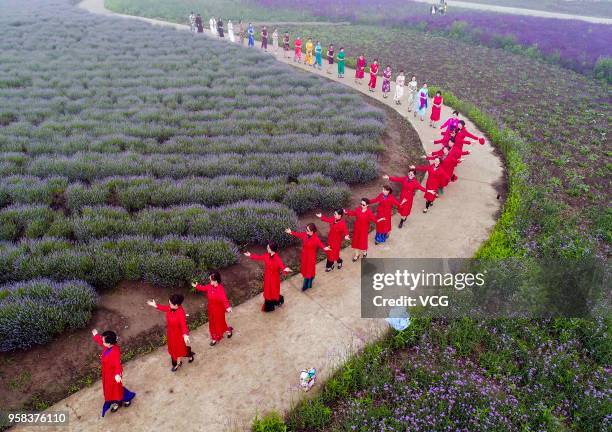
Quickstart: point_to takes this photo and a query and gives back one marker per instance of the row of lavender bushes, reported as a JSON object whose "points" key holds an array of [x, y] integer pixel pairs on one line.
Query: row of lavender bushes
{"points": [[135, 193], [242, 222], [167, 261], [54, 143], [578, 45], [349, 168], [35, 311]]}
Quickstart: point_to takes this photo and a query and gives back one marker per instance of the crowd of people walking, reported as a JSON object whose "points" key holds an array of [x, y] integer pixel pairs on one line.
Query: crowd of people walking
{"points": [[440, 169]]}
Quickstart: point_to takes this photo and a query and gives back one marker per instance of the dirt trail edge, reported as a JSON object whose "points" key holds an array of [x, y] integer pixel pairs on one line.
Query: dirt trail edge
{"points": [[521, 11], [257, 370]]}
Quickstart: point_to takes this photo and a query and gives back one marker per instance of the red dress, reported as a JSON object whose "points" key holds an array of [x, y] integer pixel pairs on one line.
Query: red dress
{"points": [[361, 227], [273, 266], [436, 108], [460, 139], [373, 72], [111, 366], [310, 244], [360, 68], [449, 164], [384, 210], [176, 328], [435, 179], [298, 48], [217, 306], [337, 232], [409, 187]]}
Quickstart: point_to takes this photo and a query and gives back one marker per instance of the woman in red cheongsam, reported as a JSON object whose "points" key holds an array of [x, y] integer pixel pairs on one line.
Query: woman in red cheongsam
{"points": [[338, 232], [273, 267], [177, 332], [115, 394], [218, 305], [310, 243]]}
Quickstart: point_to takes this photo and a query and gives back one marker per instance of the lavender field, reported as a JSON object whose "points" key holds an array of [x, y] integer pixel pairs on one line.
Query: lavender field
{"points": [[578, 45], [132, 153], [505, 375]]}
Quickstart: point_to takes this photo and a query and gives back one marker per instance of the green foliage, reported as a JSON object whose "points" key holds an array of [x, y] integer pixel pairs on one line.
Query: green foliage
{"points": [[314, 415], [603, 69], [167, 261], [271, 422], [35, 311]]}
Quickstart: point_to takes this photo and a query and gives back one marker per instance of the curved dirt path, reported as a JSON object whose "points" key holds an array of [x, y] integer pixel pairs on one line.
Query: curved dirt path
{"points": [[521, 11], [258, 369]]}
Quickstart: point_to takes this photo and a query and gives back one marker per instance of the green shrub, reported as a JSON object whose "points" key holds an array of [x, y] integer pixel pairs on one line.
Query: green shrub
{"points": [[78, 196], [603, 69], [33, 312], [313, 415], [30, 221], [166, 261], [271, 422]]}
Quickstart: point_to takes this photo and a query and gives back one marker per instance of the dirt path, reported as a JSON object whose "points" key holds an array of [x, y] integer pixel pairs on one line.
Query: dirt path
{"points": [[257, 370], [521, 11]]}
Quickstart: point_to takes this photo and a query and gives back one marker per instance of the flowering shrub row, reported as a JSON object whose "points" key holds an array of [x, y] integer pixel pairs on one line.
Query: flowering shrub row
{"points": [[33, 312], [242, 222], [167, 261], [138, 192]]}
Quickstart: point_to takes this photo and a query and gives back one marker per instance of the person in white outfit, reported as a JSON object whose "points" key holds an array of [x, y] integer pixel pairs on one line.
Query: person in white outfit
{"points": [[192, 22], [400, 81], [230, 31], [212, 25], [412, 89], [275, 41]]}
